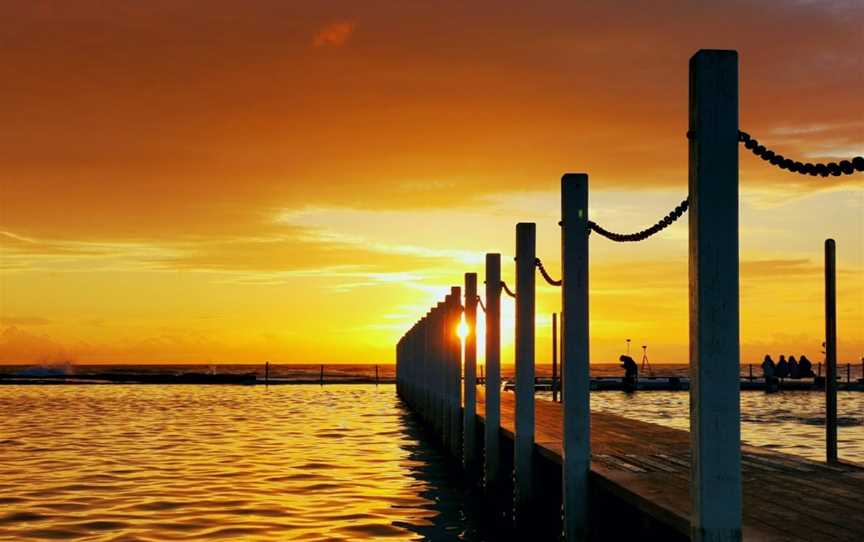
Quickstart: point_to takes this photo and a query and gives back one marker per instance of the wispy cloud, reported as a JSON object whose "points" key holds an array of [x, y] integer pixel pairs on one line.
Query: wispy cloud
{"points": [[334, 34]]}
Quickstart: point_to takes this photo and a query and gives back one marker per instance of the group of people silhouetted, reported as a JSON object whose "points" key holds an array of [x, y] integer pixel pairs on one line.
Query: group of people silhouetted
{"points": [[801, 368]]}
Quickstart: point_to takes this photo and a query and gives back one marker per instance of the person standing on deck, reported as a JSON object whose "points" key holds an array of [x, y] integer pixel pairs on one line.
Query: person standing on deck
{"points": [[631, 372]]}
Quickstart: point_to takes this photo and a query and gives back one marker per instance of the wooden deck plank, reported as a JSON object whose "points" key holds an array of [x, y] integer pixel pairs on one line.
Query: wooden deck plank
{"points": [[785, 497]]}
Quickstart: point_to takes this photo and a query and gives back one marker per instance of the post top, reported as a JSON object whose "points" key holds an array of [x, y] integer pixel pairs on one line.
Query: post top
{"points": [[574, 176], [707, 53]]}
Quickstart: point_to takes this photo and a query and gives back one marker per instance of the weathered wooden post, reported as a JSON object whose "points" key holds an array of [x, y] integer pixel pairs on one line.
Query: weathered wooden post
{"points": [[469, 420], [523, 462], [492, 450], [830, 351], [575, 357], [455, 347], [399, 367], [715, 419], [554, 356], [445, 371]]}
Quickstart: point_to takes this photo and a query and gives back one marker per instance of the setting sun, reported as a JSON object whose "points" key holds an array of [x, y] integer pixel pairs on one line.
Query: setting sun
{"points": [[462, 329]]}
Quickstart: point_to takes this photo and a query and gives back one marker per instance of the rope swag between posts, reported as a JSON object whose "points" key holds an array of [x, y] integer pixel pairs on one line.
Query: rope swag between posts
{"points": [[507, 290], [550, 280], [480, 302], [844, 167], [661, 225]]}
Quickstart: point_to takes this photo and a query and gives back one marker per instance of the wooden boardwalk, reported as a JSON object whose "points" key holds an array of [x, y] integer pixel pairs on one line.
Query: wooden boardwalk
{"points": [[647, 465]]}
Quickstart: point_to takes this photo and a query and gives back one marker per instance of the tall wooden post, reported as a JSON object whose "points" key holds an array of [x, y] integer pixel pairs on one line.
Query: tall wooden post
{"points": [[445, 372], [554, 357], [523, 462], [715, 419], [830, 351], [455, 348], [492, 450], [469, 421], [575, 357]]}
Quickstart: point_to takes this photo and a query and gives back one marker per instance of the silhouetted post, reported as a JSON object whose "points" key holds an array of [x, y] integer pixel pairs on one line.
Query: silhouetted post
{"points": [[830, 351], [267, 373], [321, 378], [750, 367], [492, 450], [445, 371], [848, 373], [554, 356], [455, 348], [575, 357], [523, 463], [469, 420], [715, 419], [376, 375]]}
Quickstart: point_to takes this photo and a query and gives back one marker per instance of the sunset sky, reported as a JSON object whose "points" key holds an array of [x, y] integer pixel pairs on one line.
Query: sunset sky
{"points": [[218, 181]]}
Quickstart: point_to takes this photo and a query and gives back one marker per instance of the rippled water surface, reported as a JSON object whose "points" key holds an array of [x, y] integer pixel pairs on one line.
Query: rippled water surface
{"points": [[230, 462], [790, 422]]}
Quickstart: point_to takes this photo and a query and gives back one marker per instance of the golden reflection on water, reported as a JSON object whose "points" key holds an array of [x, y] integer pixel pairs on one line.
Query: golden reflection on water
{"points": [[190, 463]]}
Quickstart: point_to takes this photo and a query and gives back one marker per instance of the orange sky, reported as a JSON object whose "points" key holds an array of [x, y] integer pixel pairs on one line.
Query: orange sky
{"points": [[205, 182]]}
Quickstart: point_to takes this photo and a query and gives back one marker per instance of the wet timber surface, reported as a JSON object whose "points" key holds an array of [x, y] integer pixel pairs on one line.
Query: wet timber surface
{"points": [[647, 466]]}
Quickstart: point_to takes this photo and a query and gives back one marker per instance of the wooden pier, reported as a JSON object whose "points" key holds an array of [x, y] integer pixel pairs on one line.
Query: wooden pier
{"points": [[646, 466], [615, 478]]}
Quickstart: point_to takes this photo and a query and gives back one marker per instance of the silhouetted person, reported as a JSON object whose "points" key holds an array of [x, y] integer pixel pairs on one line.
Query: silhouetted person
{"points": [[782, 369], [793, 368], [631, 372], [768, 368], [805, 368]]}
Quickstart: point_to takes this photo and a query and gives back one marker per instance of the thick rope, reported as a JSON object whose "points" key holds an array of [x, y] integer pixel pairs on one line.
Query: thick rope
{"points": [[546, 276], [507, 290], [661, 224], [845, 167]]}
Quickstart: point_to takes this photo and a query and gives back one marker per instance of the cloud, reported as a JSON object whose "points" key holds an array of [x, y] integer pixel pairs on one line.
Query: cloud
{"points": [[24, 321], [334, 34]]}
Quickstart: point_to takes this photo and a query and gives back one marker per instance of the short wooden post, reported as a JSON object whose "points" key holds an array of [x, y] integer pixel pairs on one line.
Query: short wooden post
{"points": [[750, 367], [321, 376], [469, 420], [830, 351], [554, 357], [848, 373], [715, 419], [575, 389], [523, 462], [376, 375], [267, 373], [492, 450]]}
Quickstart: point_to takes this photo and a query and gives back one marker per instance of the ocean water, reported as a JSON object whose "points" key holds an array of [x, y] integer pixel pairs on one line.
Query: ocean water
{"points": [[790, 422], [159, 463]]}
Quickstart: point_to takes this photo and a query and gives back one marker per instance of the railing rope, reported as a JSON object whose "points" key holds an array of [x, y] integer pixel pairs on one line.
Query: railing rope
{"points": [[844, 167], [546, 277], [661, 225], [507, 290]]}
